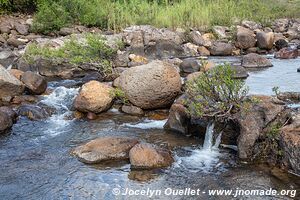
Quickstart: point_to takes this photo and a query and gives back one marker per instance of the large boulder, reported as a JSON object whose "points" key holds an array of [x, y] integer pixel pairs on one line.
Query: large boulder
{"points": [[105, 149], [253, 60], [265, 40], [94, 97], [150, 86], [245, 38], [252, 119], [147, 156], [9, 85], [286, 53], [5, 122], [221, 49], [290, 143], [34, 82]]}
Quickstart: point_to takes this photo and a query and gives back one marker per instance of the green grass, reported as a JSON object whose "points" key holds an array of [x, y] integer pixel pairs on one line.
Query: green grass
{"points": [[93, 50], [117, 14]]}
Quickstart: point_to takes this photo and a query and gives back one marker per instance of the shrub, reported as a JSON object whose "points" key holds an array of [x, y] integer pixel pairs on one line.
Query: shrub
{"points": [[51, 16], [92, 50], [215, 93]]}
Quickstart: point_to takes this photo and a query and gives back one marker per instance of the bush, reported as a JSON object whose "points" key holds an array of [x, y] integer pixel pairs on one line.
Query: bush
{"points": [[51, 16], [92, 50], [27, 6], [215, 93]]}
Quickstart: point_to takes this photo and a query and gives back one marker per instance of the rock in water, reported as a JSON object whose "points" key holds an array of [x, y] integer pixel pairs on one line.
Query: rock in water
{"points": [[132, 110], [33, 112], [5, 122], [10, 112], [298, 70], [34, 82], [147, 156], [9, 85], [104, 149], [151, 86], [253, 60], [252, 119], [290, 141], [287, 53], [94, 97]]}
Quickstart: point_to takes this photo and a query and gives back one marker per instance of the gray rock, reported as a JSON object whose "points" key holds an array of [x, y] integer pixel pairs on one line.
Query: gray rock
{"points": [[9, 85], [221, 49], [33, 112], [34, 82], [254, 60]]}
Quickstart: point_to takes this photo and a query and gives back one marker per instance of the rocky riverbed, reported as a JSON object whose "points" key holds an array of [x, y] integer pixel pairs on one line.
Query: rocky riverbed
{"points": [[70, 130]]}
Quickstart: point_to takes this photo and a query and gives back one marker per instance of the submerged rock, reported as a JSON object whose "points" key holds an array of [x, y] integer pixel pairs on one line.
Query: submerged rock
{"points": [[34, 82], [150, 86], [94, 97], [147, 156], [253, 60], [9, 85], [104, 149]]}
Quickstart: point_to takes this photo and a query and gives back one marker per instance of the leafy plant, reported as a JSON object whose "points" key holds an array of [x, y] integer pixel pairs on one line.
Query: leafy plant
{"points": [[120, 95], [215, 93], [91, 49]]}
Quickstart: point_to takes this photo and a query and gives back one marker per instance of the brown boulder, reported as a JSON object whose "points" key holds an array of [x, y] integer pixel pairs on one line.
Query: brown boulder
{"points": [[221, 49], [253, 60], [34, 82], [16, 73], [104, 149], [245, 38], [150, 86], [252, 119], [178, 120], [203, 51], [5, 122], [147, 156], [290, 142], [265, 40], [94, 97], [9, 111], [286, 53]]}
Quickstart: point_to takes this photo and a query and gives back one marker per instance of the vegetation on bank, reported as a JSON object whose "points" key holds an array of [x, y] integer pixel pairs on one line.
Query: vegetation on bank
{"points": [[117, 14], [90, 49], [215, 93]]}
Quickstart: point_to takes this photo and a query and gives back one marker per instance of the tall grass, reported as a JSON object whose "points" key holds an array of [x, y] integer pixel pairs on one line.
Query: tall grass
{"points": [[117, 14]]}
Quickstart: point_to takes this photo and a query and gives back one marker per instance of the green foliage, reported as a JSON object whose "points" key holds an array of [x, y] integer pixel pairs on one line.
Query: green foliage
{"points": [[276, 90], [117, 14], [215, 93], [92, 49], [51, 16], [120, 95], [273, 132], [27, 6]]}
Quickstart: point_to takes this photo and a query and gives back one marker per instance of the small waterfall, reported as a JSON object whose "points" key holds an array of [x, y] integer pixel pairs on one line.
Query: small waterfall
{"points": [[61, 100], [207, 157]]}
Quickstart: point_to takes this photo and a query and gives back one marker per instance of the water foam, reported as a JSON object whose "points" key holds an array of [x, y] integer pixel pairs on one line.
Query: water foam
{"points": [[148, 124]]}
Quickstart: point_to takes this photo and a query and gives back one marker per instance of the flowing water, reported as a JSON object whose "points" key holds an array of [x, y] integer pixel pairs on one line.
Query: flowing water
{"points": [[36, 162]]}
